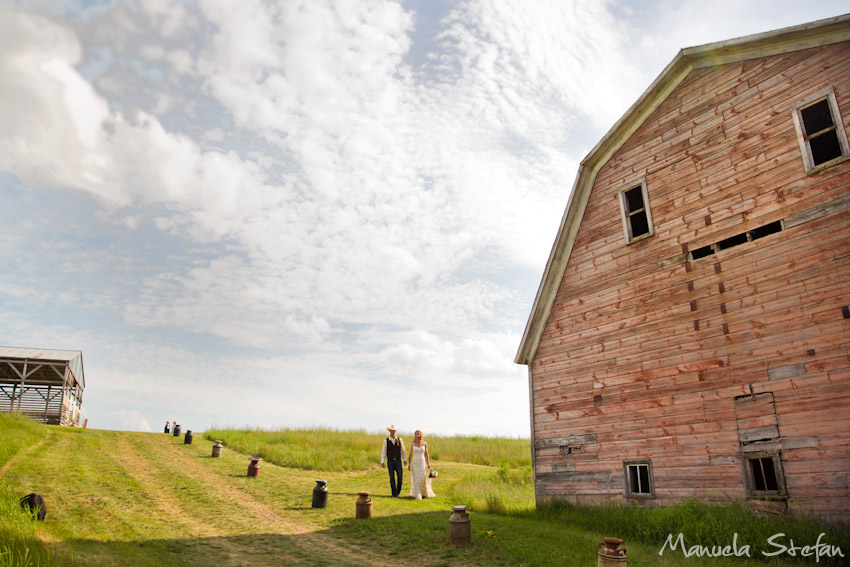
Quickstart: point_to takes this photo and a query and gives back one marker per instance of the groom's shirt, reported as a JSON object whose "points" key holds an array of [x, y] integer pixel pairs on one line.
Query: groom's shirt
{"points": [[384, 449]]}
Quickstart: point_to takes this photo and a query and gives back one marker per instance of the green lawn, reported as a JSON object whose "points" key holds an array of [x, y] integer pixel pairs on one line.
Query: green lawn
{"points": [[127, 499]]}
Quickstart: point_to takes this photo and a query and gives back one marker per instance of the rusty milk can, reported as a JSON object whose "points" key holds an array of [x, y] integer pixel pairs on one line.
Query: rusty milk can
{"points": [[460, 531], [187, 440], [216, 449], [254, 467], [363, 508], [320, 494], [610, 554], [176, 429]]}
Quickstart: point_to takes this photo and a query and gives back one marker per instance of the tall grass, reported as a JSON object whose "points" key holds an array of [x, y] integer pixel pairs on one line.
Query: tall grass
{"points": [[699, 523], [19, 542], [352, 450], [503, 491]]}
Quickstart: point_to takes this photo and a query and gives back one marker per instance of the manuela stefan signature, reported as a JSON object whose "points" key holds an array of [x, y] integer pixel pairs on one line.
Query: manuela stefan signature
{"points": [[777, 546]]}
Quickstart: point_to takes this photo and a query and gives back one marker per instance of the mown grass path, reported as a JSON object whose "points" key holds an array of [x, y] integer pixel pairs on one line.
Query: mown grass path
{"points": [[26, 451], [119, 498]]}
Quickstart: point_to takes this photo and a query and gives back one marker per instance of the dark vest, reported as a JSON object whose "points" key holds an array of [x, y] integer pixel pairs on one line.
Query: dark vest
{"points": [[393, 449]]}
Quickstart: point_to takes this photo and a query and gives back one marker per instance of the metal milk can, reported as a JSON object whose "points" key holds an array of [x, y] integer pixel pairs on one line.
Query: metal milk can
{"points": [[254, 467], [320, 494], [363, 508], [610, 554], [216, 449], [187, 440], [460, 530]]}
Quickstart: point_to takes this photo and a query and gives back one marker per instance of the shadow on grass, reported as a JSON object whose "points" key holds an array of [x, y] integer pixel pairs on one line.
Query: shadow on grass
{"points": [[372, 496], [349, 544], [256, 549], [408, 539], [496, 540]]}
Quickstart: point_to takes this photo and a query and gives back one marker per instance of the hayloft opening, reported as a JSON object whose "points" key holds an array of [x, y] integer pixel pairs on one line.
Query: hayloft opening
{"points": [[732, 241], [702, 252], [743, 238], [766, 230]]}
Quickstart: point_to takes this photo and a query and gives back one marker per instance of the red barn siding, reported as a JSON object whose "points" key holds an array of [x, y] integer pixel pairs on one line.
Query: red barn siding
{"points": [[643, 353]]}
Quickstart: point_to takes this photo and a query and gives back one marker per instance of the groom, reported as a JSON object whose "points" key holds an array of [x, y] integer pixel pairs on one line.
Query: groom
{"points": [[394, 454]]}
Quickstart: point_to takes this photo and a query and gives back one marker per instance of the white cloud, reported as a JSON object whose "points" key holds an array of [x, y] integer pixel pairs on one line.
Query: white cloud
{"points": [[362, 226], [347, 190]]}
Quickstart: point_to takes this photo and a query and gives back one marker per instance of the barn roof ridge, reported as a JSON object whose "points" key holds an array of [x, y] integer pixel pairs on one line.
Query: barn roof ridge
{"points": [[42, 353], [774, 42]]}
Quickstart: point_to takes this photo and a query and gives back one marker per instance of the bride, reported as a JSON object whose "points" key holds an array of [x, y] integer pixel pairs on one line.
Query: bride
{"points": [[420, 465]]}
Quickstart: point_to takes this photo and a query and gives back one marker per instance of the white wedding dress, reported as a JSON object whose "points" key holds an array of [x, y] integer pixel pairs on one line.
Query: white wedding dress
{"points": [[420, 483]]}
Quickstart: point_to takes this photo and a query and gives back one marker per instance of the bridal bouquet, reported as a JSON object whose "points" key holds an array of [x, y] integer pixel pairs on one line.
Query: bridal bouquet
{"points": [[432, 474]]}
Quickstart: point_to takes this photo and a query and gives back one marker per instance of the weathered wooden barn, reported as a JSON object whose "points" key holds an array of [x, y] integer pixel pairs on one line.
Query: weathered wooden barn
{"points": [[691, 333], [46, 385]]}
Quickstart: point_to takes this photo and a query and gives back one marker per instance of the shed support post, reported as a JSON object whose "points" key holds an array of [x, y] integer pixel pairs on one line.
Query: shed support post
{"points": [[47, 402], [23, 386]]}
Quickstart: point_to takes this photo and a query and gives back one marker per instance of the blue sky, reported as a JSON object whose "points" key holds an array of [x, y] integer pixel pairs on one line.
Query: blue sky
{"points": [[309, 213]]}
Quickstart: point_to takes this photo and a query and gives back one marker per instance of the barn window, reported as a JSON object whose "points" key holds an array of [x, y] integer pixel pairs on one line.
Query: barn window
{"points": [[634, 205], [639, 479], [764, 475], [820, 132]]}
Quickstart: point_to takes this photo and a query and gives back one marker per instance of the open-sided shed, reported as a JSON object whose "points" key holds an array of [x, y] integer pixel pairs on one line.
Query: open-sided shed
{"points": [[46, 385]]}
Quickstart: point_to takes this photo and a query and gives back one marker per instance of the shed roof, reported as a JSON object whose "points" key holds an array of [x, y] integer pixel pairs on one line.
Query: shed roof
{"points": [[74, 358], [796, 38]]}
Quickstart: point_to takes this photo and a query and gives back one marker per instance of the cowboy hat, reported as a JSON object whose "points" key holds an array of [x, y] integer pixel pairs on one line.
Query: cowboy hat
{"points": [[392, 428]]}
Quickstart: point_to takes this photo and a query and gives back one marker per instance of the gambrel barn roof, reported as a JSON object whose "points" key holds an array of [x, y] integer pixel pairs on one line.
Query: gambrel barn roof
{"points": [[806, 36]]}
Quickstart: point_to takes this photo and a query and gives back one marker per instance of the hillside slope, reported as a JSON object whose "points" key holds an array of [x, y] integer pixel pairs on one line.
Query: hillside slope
{"points": [[147, 499]]}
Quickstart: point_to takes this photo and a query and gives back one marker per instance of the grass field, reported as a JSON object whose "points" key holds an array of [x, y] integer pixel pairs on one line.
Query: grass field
{"points": [[119, 498], [331, 449]]}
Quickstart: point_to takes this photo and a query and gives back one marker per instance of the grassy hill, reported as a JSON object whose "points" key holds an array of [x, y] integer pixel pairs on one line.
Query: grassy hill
{"points": [[128, 499]]}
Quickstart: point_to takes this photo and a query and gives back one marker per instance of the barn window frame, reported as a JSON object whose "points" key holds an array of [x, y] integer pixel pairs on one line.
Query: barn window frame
{"points": [[627, 213], [758, 486], [805, 138], [642, 491]]}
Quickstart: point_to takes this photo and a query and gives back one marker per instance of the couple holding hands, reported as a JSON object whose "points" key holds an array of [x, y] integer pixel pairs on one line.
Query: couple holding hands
{"points": [[394, 457]]}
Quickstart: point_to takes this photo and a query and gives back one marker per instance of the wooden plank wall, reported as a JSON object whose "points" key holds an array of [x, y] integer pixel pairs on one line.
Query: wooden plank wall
{"points": [[644, 353], [41, 403], [44, 395]]}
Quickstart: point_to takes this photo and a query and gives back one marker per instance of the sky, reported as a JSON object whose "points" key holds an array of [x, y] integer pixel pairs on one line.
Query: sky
{"points": [[309, 213]]}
